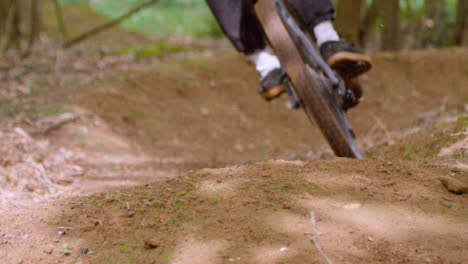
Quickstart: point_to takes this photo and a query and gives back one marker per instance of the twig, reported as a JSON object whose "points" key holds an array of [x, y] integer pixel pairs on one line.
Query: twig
{"points": [[59, 121], [382, 126], [108, 25], [314, 238], [65, 227]]}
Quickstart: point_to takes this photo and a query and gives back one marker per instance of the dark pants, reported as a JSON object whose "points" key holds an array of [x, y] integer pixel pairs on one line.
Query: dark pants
{"points": [[240, 24]]}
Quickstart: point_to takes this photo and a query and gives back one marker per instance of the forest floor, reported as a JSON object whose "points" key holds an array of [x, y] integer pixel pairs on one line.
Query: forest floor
{"points": [[168, 155]]}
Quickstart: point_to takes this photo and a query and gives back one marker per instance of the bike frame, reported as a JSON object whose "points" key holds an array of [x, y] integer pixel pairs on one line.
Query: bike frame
{"points": [[311, 56]]}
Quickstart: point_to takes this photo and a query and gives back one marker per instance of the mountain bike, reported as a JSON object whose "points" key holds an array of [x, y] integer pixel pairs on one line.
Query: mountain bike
{"points": [[312, 85]]}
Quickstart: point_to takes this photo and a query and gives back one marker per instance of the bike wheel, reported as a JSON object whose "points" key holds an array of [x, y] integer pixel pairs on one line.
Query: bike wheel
{"points": [[313, 88]]}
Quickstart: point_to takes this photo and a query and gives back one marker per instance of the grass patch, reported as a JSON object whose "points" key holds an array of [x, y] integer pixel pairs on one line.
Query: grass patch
{"points": [[387, 56], [123, 248], [53, 222], [168, 256], [156, 204], [158, 50], [215, 199]]}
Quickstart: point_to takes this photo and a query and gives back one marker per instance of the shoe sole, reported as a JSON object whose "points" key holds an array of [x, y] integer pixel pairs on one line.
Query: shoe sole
{"points": [[349, 64], [273, 92]]}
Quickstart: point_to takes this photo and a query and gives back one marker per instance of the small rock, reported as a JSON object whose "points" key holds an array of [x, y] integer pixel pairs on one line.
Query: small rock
{"points": [[49, 250], [454, 185], [84, 250], [283, 249], [8, 236], [22, 133], [151, 243], [205, 111]]}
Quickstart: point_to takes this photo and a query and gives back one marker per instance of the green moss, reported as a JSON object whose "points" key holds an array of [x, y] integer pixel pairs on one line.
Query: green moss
{"points": [[323, 168], [180, 203], [156, 204], [387, 56], [215, 199], [123, 248], [168, 256], [53, 222]]}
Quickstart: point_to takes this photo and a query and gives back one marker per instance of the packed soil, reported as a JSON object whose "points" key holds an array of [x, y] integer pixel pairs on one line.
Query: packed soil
{"points": [[175, 159]]}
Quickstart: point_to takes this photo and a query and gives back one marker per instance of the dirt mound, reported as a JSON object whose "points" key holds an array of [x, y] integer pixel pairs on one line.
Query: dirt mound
{"points": [[149, 120], [205, 108], [444, 140], [368, 211]]}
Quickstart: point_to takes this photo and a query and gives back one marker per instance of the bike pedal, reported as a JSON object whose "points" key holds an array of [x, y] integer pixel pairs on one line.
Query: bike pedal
{"points": [[271, 94]]}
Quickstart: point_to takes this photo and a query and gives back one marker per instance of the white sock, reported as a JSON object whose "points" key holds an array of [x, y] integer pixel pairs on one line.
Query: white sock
{"points": [[325, 32], [265, 62]]}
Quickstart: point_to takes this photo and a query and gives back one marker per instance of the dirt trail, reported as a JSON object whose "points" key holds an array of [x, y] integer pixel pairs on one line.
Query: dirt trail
{"points": [[147, 128]]}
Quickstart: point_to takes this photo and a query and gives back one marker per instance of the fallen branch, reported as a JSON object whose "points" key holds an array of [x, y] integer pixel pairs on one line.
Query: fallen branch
{"points": [[314, 238], [49, 124], [108, 25]]}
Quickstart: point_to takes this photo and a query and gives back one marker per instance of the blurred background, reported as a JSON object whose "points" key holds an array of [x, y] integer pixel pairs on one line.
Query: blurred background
{"points": [[372, 24]]}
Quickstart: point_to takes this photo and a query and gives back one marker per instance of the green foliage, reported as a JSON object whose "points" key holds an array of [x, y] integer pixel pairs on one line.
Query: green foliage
{"points": [[167, 17]]}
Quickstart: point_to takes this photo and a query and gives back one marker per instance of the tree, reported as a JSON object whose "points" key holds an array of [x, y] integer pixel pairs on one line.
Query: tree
{"points": [[461, 23], [435, 23], [348, 18], [19, 22], [368, 21], [390, 12]]}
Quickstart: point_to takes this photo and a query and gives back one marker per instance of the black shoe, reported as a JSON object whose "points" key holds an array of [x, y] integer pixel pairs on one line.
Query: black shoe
{"points": [[273, 84], [346, 59]]}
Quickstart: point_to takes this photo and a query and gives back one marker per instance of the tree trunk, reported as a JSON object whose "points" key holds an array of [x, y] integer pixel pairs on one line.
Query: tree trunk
{"points": [[348, 18], [33, 26], [435, 23], [60, 21], [461, 23], [19, 20], [368, 21], [390, 11]]}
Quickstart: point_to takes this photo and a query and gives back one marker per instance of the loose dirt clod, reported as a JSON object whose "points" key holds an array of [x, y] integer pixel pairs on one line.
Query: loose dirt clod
{"points": [[151, 243], [48, 250], [454, 185], [84, 250]]}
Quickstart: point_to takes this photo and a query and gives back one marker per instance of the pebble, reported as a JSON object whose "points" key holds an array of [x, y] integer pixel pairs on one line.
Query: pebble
{"points": [[352, 206]]}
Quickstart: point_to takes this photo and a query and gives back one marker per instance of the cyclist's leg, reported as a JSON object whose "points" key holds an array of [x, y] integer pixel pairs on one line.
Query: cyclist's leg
{"points": [[317, 15], [242, 27], [239, 23], [313, 12]]}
